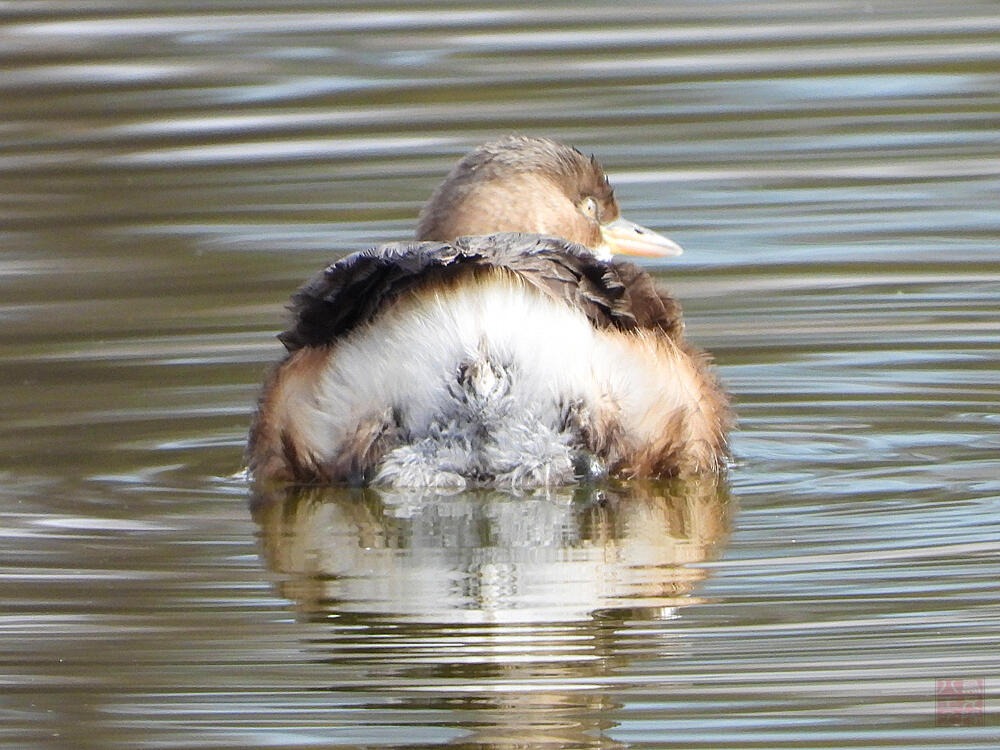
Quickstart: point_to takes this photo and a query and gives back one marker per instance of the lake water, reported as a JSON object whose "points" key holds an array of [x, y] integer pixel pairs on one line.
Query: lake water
{"points": [[170, 171]]}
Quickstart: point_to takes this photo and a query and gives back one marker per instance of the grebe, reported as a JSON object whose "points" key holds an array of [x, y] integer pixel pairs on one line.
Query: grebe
{"points": [[505, 347]]}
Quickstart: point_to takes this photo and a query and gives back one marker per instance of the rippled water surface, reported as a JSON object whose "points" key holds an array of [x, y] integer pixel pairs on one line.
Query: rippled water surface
{"points": [[170, 171]]}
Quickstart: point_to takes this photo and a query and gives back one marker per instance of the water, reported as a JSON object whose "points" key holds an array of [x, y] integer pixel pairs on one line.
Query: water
{"points": [[169, 172]]}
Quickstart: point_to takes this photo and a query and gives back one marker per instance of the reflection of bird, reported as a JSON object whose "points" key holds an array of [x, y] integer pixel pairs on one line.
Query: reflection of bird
{"points": [[507, 359], [481, 556]]}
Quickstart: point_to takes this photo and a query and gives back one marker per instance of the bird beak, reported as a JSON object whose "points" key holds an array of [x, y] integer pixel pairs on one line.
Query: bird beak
{"points": [[624, 237]]}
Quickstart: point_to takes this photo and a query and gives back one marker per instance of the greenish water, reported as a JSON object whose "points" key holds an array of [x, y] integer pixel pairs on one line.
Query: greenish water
{"points": [[171, 171]]}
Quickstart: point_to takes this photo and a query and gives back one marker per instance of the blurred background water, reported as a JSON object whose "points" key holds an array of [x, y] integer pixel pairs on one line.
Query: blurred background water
{"points": [[171, 170]]}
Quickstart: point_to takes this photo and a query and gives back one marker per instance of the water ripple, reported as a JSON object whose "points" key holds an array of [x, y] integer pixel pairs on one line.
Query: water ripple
{"points": [[170, 172]]}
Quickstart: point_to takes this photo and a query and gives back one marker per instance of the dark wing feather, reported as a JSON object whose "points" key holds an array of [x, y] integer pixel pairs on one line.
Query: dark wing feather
{"points": [[352, 291]]}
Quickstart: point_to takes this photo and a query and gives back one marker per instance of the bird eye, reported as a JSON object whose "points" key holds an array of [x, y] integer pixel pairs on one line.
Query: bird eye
{"points": [[588, 206]]}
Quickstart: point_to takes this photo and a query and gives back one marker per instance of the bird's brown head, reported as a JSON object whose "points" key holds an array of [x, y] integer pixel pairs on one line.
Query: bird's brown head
{"points": [[536, 185]]}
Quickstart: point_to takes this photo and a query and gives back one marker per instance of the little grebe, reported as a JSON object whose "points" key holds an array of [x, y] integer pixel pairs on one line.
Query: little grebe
{"points": [[505, 347]]}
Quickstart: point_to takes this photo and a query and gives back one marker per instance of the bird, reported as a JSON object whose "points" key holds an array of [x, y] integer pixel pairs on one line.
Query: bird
{"points": [[507, 346]]}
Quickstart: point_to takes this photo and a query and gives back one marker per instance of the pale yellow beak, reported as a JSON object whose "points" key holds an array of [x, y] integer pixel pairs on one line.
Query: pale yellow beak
{"points": [[626, 238]]}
